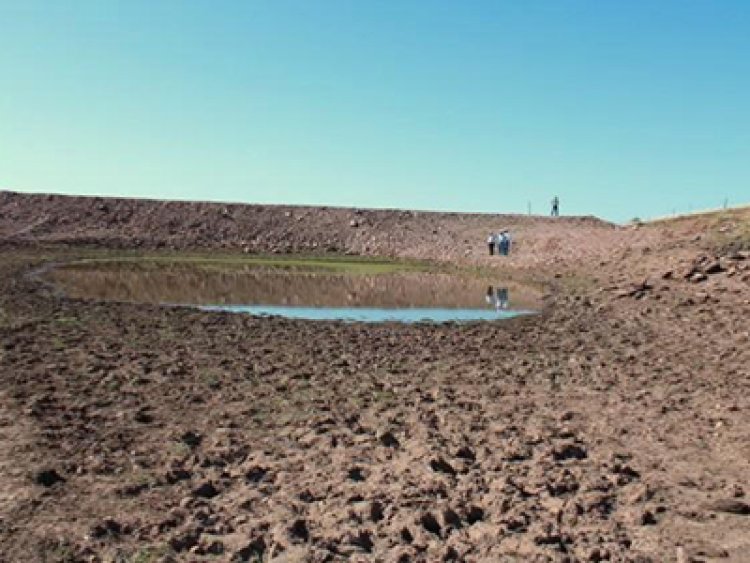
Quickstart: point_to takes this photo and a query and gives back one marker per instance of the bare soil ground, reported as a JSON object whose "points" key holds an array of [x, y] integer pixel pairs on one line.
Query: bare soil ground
{"points": [[611, 427], [144, 224]]}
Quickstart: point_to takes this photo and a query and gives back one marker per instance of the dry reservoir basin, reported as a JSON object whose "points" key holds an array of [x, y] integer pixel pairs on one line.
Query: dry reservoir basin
{"points": [[317, 289]]}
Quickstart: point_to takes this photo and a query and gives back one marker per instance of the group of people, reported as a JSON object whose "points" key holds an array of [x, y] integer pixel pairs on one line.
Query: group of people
{"points": [[501, 241]]}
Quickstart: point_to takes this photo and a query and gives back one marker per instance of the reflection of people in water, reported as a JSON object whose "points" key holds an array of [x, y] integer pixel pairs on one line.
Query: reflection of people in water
{"points": [[502, 298], [490, 297], [497, 298]]}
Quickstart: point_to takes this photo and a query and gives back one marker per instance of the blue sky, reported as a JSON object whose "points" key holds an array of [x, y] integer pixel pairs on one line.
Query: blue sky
{"points": [[622, 109]]}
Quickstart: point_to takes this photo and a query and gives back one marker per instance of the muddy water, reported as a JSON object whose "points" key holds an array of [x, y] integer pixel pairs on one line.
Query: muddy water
{"points": [[402, 296]]}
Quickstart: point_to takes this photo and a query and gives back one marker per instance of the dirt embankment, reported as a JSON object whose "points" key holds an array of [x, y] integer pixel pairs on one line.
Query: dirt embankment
{"points": [[613, 427], [149, 224]]}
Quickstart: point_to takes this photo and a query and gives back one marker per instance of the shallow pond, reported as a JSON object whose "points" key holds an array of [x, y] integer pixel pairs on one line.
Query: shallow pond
{"points": [[306, 292]]}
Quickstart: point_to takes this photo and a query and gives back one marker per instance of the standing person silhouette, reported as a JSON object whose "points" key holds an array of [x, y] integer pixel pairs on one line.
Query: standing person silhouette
{"points": [[508, 242], [555, 207], [501, 243], [491, 244]]}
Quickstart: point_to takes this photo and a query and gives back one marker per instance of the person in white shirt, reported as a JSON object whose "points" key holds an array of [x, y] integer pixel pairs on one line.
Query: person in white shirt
{"points": [[490, 297], [491, 244]]}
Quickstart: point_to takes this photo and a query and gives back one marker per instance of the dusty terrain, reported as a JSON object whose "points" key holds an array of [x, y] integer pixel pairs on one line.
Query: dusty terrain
{"points": [[611, 427]]}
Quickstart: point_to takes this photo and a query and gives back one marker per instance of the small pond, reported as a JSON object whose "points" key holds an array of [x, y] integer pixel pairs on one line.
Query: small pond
{"points": [[318, 290]]}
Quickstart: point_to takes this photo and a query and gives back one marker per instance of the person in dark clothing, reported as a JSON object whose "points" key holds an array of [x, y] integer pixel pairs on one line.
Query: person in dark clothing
{"points": [[555, 207], [503, 243]]}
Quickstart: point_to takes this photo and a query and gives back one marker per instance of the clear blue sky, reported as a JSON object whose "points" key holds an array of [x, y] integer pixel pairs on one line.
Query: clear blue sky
{"points": [[623, 109]]}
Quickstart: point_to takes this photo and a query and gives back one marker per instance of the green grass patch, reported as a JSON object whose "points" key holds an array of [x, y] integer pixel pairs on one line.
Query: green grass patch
{"points": [[337, 265]]}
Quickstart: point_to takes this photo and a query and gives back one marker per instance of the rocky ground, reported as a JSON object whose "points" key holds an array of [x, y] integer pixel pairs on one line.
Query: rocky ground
{"points": [[611, 427]]}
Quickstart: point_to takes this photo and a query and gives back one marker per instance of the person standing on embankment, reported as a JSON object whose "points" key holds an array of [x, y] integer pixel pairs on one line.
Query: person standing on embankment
{"points": [[503, 243], [555, 207]]}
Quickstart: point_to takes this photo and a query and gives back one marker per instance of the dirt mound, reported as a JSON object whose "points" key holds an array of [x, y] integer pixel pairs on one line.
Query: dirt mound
{"points": [[149, 224]]}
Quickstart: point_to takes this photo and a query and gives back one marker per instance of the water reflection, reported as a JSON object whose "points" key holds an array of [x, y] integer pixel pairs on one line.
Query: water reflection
{"points": [[372, 314], [497, 299], [433, 296]]}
